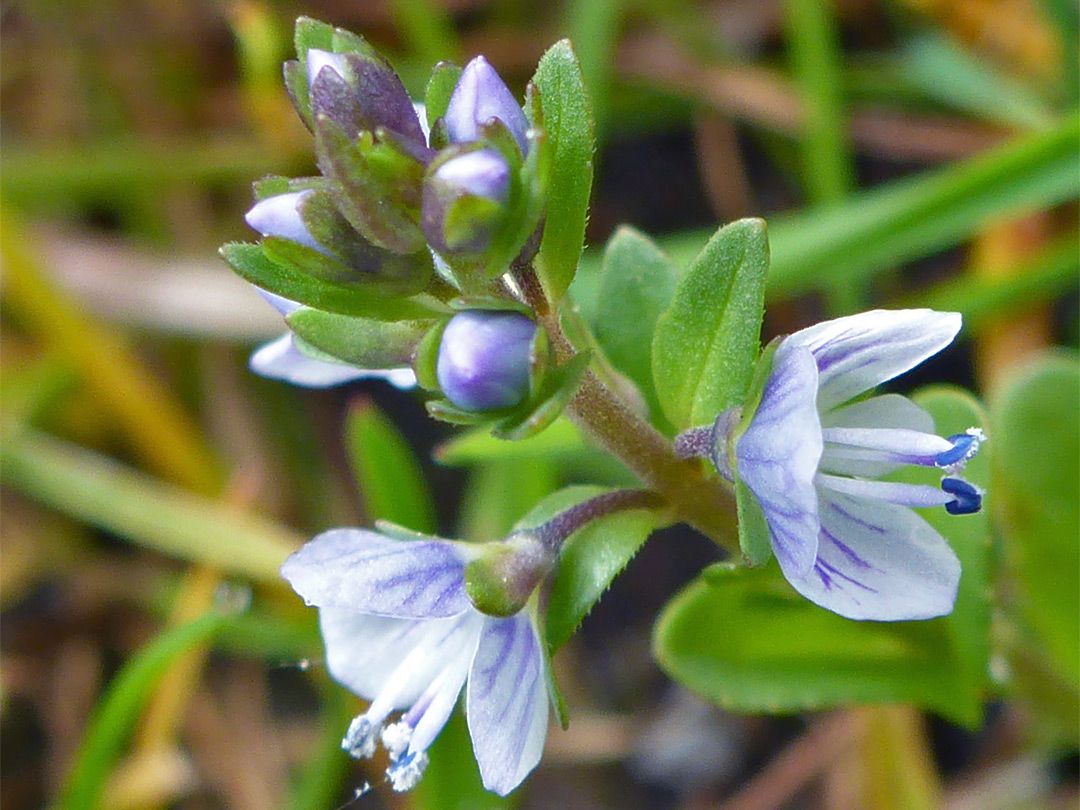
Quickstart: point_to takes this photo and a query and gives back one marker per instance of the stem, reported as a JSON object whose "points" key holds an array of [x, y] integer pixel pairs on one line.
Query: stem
{"points": [[606, 418], [555, 531]]}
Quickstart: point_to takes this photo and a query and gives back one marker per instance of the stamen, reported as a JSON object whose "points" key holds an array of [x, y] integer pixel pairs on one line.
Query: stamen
{"points": [[967, 496], [964, 447], [395, 739], [359, 740], [406, 772]]}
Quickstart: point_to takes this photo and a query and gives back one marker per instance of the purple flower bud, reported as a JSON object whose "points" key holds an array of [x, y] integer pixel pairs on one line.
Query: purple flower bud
{"points": [[483, 361], [482, 176], [280, 216], [479, 96]]}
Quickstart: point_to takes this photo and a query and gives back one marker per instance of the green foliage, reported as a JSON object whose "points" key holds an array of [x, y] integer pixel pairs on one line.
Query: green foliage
{"points": [[569, 124], [362, 342], [116, 713], [706, 341], [391, 480], [1036, 425], [637, 284], [745, 639]]}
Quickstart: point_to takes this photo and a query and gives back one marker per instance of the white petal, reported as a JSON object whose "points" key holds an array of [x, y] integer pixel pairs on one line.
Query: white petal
{"points": [[885, 411], [280, 216], [281, 360], [777, 458], [885, 445], [879, 561], [366, 572], [285, 306], [318, 59], [507, 703], [364, 651], [858, 352]]}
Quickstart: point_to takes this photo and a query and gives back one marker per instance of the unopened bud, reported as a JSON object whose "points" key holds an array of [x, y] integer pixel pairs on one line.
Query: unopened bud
{"points": [[479, 96], [463, 202], [501, 580], [483, 361], [280, 216]]}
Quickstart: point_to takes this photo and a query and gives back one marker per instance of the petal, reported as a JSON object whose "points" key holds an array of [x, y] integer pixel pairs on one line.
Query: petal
{"points": [[318, 59], [281, 360], [879, 561], [507, 703], [896, 446], [280, 216], [285, 306], [479, 96], [858, 352], [364, 651], [885, 411], [921, 495], [777, 458], [366, 572]]}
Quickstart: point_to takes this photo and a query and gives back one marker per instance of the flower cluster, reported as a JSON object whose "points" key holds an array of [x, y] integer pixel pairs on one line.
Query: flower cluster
{"points": [[812, 452]]}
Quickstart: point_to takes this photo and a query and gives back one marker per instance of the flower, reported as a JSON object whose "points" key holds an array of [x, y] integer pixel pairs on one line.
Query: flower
{"points": [[479, 182], [479, 97], [811, 457], [484, 359], [400, 630]]}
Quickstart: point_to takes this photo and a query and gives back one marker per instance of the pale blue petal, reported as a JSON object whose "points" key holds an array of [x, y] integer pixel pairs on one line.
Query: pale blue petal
{"points": [[923, 496], [280, 216], [318, 59], [364, 652], [879, 561], [777, 458], [281, 360], [886, 445], [507, 703], [886, 411], [285, 306], [366, 572], [858, 352]]}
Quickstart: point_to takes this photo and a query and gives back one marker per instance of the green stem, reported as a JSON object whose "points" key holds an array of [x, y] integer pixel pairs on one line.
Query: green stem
{"points": [[608, 420]]}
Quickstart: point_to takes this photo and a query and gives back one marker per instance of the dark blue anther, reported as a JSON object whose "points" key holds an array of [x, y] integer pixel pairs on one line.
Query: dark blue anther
{"points": [[963, 447], [967, 499]]}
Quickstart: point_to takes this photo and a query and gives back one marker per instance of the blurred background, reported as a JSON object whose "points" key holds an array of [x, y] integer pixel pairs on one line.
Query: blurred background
{"points": [[904, 152]]}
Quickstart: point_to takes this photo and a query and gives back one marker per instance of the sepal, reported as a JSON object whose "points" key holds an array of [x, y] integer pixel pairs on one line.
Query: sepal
{"points": [[361, 342]]}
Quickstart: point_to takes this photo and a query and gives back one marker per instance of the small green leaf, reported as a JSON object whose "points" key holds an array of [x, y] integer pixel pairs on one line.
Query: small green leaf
{"points": [[391, 480], [361, 342], [570, 128], [311, 33], [479, 446], [556, 390], [1036, 442], [440, 87], [707, 340], [252, 264], [592, 557], [637, 283], [744, 639]]}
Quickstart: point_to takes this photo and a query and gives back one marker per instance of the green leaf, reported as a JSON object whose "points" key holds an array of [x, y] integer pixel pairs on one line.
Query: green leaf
{"points": [[441, 86], [556, 390], [96, 490], [569, 124], [311, 33], [362, 342], [591, 558], [479, 446], [391, 480], [744, 639], [115, 715], [252, 264], [707, 340], [1036, 446], [637, 283]]}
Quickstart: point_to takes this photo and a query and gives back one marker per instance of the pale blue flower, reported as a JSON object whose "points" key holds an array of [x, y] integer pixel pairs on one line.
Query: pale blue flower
{"points": [[400, 631], [812, 458]]}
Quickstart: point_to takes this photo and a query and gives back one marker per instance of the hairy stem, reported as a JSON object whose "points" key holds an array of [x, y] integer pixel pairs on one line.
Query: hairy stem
{"points": [[555, 531], [603, 416]]}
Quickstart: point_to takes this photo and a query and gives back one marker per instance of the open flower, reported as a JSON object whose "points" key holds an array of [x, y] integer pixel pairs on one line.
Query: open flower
{"points": [[811, 457], [401, 631]]}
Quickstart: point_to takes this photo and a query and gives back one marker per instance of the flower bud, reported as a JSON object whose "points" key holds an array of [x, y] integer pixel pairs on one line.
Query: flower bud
{"points": [[317, 60], [280, 216], [463, 202], [483, 361], [480, 96]]}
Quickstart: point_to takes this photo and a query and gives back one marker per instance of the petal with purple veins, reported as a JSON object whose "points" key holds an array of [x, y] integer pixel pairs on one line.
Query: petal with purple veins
{"points": [[858, 352], [777, 458], [885, 411], [879, 561], [366, 572], [507, 702]]}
